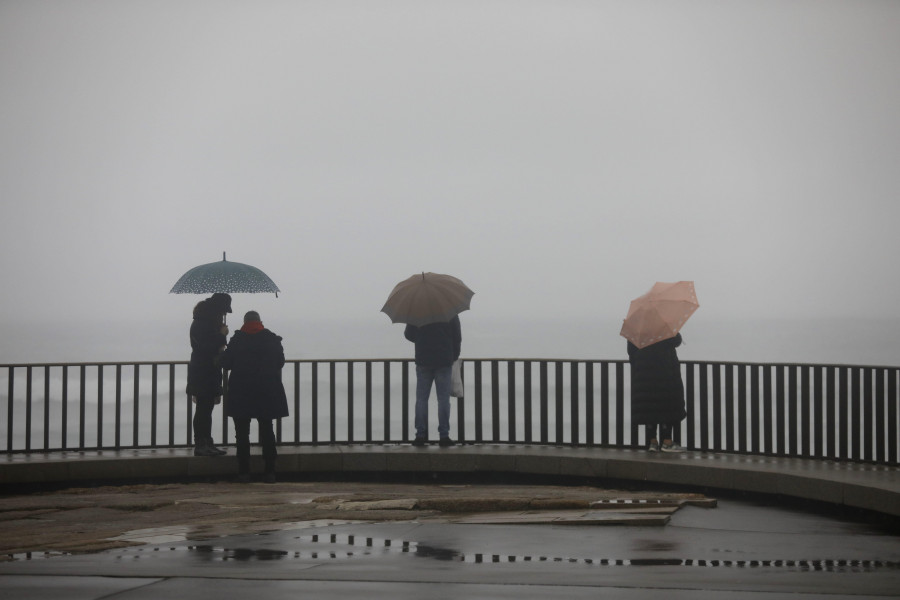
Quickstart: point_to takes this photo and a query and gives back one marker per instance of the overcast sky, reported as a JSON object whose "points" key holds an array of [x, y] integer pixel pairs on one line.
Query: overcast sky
{"points": [[558, 156]]}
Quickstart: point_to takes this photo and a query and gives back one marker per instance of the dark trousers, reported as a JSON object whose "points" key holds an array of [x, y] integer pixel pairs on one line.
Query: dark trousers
{"points": [[203, 418], [665, 431], [266, 439]]}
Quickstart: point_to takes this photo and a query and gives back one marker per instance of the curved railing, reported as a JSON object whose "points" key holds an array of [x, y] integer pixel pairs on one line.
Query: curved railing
{"points": [[838, 412]]}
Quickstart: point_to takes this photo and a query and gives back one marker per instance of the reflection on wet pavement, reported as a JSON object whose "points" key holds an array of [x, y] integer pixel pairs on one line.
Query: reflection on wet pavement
{"points": [[344, 546]]}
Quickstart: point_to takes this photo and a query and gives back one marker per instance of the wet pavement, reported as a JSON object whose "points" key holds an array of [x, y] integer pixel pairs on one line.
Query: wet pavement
{"points": [[736, 550]]}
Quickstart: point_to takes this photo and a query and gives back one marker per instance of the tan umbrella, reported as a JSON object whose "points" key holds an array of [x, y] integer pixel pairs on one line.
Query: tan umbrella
{"points": [[427, 298], [660, 313]]}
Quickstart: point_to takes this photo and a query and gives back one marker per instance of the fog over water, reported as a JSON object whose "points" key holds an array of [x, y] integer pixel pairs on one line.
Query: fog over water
{"points": [[824, 341], [558, 156]]}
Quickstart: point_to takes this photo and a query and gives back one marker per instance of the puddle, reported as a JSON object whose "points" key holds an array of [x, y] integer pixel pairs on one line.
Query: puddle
{"points": [[332, 546]]}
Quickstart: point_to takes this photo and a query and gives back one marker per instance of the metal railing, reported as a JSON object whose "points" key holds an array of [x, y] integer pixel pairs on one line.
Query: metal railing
{"points": [[839, 412]]}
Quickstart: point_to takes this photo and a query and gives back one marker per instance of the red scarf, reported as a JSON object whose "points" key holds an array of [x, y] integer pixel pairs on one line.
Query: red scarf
{"points": [[252, 327]]}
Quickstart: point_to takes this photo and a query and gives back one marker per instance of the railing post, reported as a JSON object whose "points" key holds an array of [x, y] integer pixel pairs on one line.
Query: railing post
{"points": [[136, 411], [46, 407], [28, 408], [892, 409], [574, 421], [542, 374], [704, 406], [82, 411], [558, 385], [604, 403], [528, 401], [461, 407], [620, 404], [368, 401], [768, 420], [65, 407], [10, 395], [404, 376], [154, 371], [495, 401], [351, 415], [386, 427], [844, 412], [730, 441], [479, 416], [754, 409], [171, 404], [511, 400], [296, 411]]}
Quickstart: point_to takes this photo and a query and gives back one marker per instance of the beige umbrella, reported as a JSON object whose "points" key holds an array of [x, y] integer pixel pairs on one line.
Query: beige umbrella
{"points": [[660, 313], [427, 298]]}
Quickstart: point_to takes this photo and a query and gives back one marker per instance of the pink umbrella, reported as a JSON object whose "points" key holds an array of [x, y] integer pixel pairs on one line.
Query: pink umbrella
{"points": [[660, 313]]}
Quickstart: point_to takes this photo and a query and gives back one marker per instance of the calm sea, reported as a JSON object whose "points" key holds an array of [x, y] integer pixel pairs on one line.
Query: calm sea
{"points": [[848, 341], [827, 341]]}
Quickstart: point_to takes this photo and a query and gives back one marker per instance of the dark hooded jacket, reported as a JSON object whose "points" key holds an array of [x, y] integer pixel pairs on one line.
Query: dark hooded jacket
{"points": [[204, 377], [437, 344], [255, 357], [657, 391]]}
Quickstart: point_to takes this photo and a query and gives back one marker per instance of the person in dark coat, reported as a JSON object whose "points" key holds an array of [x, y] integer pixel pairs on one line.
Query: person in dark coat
{"points": [[255, 357], [437, 347], [657, 391], [204, 380]]}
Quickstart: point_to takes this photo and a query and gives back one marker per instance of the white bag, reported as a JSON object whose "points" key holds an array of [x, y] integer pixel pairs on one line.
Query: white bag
{"points": [[456, 383]]}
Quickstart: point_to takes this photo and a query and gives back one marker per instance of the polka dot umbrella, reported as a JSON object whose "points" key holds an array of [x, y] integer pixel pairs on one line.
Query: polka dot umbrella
{"points": [[225, 277]]}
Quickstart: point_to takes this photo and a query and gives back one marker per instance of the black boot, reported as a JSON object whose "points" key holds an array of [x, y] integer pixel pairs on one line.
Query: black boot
{"points": [[219, 451], [204, 448], [269, 473]]}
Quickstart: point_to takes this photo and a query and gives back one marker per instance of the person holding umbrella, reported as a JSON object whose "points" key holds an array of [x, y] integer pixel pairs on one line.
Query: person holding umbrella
{"points": [[204, 379], [652, 330], [255, 358], [429, 304]]}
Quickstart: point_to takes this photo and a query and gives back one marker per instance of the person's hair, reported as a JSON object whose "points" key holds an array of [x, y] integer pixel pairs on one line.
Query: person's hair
{"points": [[251, 315]]}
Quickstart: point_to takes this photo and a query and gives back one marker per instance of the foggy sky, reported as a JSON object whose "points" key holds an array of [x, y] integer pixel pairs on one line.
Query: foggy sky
{"points": [[557, 156]]}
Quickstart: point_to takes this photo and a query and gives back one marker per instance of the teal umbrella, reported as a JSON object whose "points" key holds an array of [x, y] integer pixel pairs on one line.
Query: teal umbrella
{"points": [[224, 277]]}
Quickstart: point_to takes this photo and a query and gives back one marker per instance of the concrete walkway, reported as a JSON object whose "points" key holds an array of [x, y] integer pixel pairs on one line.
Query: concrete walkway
{"points": [[737, 550], [860, 486]]}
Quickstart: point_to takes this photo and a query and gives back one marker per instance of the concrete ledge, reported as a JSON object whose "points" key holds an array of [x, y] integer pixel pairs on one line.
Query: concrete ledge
{"points": [[869, 487]]}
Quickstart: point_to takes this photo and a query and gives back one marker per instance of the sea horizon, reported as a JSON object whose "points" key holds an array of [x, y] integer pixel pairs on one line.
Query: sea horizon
{"points": [[861, 341]]}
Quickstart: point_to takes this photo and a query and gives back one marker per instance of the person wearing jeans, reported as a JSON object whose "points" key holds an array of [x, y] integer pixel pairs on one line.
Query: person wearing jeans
{"points": [[437, 347]]}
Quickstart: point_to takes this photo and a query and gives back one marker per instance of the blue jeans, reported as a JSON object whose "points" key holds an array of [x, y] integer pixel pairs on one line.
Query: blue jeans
{"points": [[440, 376]]}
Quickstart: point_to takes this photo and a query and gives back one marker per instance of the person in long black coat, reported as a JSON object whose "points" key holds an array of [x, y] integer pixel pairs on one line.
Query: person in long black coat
{"points": [[657, 391], [204, 378], [254, 358]]}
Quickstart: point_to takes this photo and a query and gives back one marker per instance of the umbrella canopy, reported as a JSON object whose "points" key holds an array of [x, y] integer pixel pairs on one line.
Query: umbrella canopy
{"points": [[660, 313], [427, 298], [225, 277]]}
